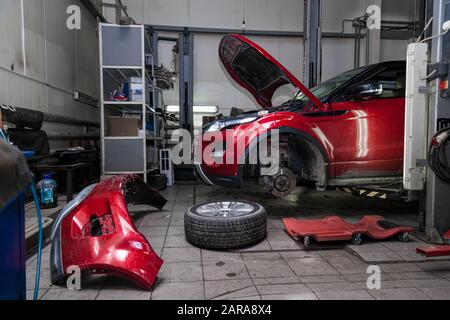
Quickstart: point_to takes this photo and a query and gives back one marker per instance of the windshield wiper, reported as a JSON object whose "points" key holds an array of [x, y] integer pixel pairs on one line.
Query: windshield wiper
{"points": [[294, 100], [288, 105]]}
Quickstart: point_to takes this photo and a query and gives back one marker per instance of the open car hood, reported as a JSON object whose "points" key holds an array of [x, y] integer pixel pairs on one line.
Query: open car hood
{"points": [[256, 70]]}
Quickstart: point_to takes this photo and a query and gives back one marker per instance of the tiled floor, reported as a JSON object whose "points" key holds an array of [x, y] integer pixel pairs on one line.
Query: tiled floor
{"points": [[277, 268]]}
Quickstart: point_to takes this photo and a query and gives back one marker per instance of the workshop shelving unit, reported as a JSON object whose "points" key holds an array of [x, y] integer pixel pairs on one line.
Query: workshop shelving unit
{"points": [[123, 54], [155, 98]]}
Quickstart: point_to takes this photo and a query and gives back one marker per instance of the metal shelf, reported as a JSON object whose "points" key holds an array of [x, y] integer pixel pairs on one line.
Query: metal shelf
{"points": [[154, 139], [125, 103], [123, 67], [155, 94], [150, 138], [122, 155], [113, 173], [123, 54], [123, 138]]}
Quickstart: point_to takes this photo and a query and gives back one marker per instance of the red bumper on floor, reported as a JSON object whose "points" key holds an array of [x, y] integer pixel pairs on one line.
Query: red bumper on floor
{"points": [[96, 233]]}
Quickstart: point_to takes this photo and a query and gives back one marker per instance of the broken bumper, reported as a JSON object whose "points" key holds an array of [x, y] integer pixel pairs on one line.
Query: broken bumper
{"points": [[95, 233], [200, 174]]}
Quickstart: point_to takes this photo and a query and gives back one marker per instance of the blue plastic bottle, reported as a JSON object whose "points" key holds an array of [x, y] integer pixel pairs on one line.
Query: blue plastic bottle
{"points": [[47, 192]]}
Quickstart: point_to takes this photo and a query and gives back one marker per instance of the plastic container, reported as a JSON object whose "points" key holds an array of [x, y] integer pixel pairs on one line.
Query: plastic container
{"points": [[12, 250], [29, 154], [135, 89], [47, 192]]}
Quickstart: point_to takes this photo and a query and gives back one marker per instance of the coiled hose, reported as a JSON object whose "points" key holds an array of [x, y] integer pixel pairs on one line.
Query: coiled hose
{"points": [[39, 255], [437, 155]]}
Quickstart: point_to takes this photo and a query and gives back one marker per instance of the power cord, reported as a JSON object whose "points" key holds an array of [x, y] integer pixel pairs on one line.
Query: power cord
{"points": [[437, 155], [39, 256]]}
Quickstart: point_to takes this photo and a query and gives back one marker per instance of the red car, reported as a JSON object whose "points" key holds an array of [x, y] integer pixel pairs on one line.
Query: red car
{"points": [[347, 131]]}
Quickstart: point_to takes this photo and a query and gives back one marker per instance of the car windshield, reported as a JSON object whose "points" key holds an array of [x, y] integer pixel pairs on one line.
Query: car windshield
{"points": [[324, 89]]}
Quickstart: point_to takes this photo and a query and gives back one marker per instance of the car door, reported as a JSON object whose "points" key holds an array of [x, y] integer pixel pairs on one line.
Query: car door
{"points": [[368, 139]]}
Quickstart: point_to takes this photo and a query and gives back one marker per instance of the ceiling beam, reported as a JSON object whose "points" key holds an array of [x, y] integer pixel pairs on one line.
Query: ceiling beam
{"points": [[264, 33]]}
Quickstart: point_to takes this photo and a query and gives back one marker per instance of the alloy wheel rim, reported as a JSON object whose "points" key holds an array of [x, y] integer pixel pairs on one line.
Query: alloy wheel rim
{"points": [[225, 209]]}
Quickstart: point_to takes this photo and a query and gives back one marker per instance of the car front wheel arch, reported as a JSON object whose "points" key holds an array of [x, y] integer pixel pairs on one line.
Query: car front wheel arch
{"points": [[307, 159]]}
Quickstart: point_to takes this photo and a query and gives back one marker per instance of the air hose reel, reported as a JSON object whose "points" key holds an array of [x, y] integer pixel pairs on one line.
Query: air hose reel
{"points": [[438, 155]]}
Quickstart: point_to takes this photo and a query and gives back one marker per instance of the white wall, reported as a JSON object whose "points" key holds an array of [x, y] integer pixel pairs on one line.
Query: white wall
{"points": [[401, 11], [212, 83], [284, 15], [393, 49], [57, 60], [337, 54], [212, 86]]}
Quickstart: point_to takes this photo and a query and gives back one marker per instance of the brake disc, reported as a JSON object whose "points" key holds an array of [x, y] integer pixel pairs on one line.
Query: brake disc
{"points": [[282, 184]]}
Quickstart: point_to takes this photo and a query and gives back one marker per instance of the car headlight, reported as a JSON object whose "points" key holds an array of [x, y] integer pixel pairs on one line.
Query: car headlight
{"points": [[222, 124]]}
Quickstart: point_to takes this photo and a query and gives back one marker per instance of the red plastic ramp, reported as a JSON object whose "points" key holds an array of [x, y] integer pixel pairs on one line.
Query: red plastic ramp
{"points": [[438, 250], [434, 251]]}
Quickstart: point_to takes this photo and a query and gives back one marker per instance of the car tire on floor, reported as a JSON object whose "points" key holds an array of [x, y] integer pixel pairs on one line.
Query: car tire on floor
{"points": [[226, 225]]}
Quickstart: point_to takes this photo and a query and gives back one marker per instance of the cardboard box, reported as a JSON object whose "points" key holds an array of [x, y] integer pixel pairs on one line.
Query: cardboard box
{"points": [[136, 88], [124, 127]]}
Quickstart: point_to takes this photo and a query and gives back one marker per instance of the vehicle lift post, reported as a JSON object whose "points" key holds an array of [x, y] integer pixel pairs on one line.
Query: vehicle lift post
{"points": [[427, 112], [186, 46], [437, 212], [312, 66]]}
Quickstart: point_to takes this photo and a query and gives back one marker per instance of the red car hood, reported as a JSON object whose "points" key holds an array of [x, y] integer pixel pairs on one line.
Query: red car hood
{"points": [[257, 71]]}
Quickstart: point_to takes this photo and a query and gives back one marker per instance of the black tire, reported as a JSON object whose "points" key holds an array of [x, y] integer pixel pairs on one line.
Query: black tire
{"points": [[157, 181], [403, 237], [24, 118], [230, 232], [306, 242]]}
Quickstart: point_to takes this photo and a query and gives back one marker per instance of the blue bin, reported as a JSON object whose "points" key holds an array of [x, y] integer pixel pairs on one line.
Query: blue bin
{"points": [[12, 250]]}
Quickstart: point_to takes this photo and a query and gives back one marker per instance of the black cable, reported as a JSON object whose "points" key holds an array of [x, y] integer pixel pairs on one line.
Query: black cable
{"points": [[437, 155], [124, 9]]}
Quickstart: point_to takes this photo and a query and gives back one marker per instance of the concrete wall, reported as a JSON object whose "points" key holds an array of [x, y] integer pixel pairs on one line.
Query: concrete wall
{"points": [[42, 62], [212, 86]]}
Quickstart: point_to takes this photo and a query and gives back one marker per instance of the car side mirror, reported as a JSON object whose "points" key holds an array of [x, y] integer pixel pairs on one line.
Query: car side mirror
{"points": [[364, 91]]}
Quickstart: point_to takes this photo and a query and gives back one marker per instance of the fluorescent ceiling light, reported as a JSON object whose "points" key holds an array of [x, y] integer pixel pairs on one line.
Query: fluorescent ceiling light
{"points": [[197, 109]]}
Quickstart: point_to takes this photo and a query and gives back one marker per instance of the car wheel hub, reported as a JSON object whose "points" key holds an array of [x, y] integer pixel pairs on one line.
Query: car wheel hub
{"points": [[282, 184]]}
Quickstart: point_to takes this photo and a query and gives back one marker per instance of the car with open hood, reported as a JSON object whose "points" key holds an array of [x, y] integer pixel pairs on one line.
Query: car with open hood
{"points": [[347, 131]]}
